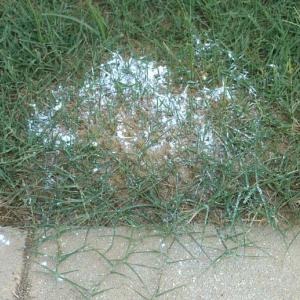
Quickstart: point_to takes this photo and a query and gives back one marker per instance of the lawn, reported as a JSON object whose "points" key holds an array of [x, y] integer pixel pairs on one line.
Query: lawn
{"points": [[149, 112]]}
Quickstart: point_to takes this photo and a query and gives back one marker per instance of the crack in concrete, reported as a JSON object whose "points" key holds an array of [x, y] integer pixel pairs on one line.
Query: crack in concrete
{"points": [[24, 285]]}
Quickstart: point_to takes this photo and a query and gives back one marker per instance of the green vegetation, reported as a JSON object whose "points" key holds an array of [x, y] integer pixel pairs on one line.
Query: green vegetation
{"points": [[252, 174]]}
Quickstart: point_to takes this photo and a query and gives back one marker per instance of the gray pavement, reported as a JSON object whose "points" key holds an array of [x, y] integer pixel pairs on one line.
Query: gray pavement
{"points": [[199, 263], [12, 243]]}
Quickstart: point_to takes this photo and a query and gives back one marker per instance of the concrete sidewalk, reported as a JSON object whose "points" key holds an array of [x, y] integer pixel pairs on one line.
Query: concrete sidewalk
{"points": [[124, 263]]}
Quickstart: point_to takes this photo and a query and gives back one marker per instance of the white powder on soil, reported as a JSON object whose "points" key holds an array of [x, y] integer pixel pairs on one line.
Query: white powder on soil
{"points": [[134, 87]]}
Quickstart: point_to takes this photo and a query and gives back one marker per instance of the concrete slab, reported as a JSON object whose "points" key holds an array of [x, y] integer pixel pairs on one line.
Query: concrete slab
{"points": [[12, 243], [124, 263], [266, 269]]}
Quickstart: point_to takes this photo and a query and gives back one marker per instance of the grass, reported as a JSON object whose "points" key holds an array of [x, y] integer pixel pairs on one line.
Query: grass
{"points": [[253, 172]]}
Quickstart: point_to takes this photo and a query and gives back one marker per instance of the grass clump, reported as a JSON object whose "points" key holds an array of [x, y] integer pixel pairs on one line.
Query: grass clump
{"points": [[244, 80]]}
